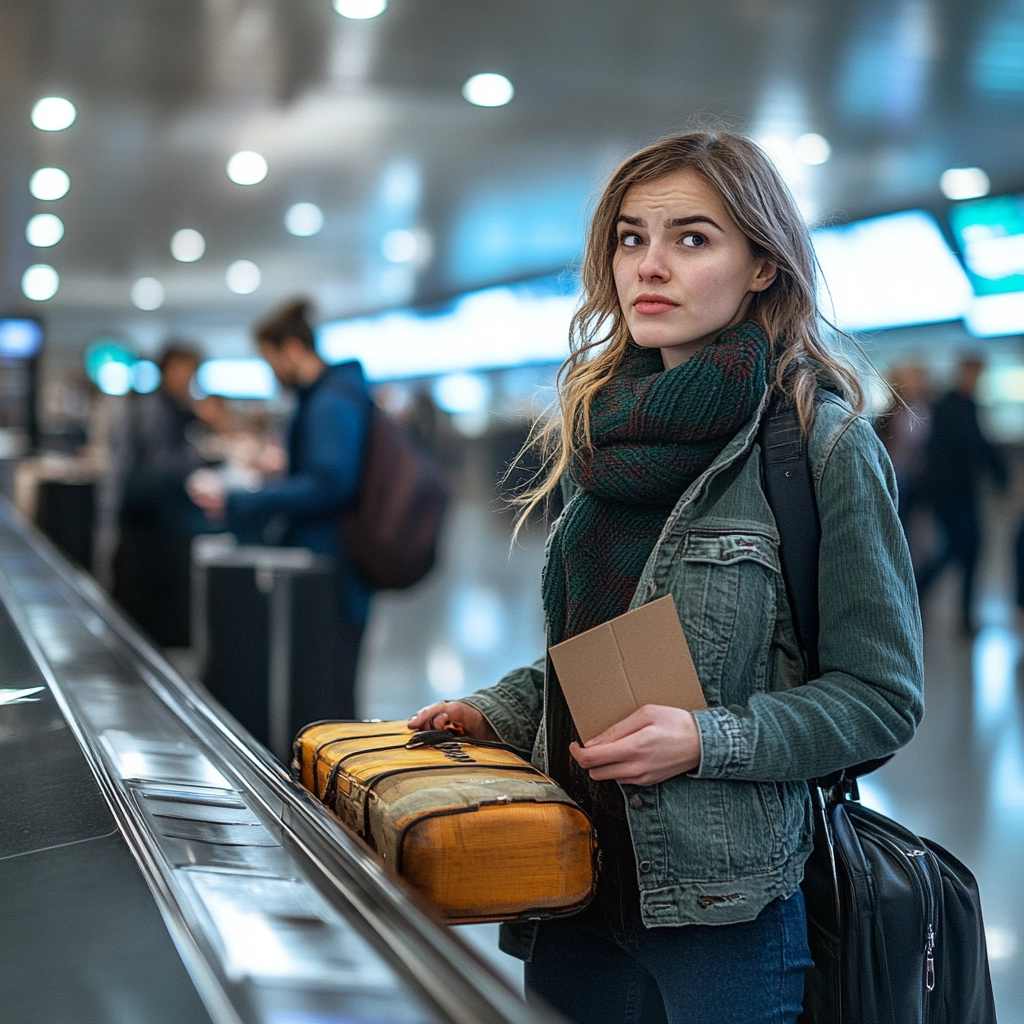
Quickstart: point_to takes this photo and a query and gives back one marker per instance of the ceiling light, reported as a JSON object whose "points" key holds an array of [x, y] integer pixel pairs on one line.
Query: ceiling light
{"points": [[964, 183], [360, 10], [304, 219], [187, 245], [49, 183], [813, 149], [243, 277], [247, 168], [488, 90], [44, 229], [54, 114], [148, 293], [40, 282]]}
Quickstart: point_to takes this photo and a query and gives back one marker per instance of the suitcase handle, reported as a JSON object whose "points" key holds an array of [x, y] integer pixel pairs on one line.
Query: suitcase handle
{"points": [[437, 737]]}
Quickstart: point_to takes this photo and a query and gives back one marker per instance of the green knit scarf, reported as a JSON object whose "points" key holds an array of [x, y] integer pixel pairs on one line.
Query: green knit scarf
{"points": [[653, 431]]}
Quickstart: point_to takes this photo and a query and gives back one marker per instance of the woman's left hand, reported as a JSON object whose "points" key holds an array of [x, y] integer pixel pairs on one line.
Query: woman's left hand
{"points": [[653, 744]]}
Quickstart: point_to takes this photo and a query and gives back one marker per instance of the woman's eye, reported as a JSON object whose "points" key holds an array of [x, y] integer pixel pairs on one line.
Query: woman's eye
{"points": [[693, 240], [630, 240]]}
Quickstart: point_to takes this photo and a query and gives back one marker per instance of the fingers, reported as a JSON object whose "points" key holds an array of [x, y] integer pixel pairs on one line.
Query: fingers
{"points": [[618, 752], [434, 716], [629, 771], [629, 725], [455, 716], [424, 718]]}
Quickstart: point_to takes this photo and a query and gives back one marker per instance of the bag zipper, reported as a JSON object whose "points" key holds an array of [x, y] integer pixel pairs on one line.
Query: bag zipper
{"points": [[915, 858]]}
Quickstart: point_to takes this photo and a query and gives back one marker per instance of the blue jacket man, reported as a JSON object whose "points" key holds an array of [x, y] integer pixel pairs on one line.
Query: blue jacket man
{"points": [[325, 444], [325, 448]]}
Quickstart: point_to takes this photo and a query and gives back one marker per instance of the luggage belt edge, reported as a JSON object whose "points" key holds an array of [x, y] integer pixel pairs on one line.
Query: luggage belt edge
{"points": [[439, 963]]}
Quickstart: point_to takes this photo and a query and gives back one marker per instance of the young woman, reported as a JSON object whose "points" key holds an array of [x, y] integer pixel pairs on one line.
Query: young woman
{"points": [[699, 304]]}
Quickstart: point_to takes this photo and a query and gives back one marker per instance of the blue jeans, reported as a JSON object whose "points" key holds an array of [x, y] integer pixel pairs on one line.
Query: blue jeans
{"points": [[594, 971]]}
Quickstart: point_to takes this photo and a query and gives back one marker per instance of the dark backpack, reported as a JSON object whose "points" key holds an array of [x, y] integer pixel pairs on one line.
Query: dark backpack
{"points": [[390, 534], [894, 921]]}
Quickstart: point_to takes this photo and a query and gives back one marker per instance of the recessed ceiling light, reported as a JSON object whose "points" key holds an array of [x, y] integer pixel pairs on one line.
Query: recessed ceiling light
{"points": [[964, 183], [304, 219], [360, 10], [40, 282], [44, 229], [148, 293], [243, 277], [54, 114], [247, 168], [813, 148], [488, 90], [187, 245], [49, 183]]}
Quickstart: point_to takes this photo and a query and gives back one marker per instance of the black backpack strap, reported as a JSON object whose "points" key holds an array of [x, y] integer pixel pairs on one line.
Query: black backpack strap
{"points": [[789, 488]]}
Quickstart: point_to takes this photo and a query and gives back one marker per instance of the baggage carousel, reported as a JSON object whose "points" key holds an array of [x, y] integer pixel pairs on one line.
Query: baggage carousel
{"points": [[158, 865]]}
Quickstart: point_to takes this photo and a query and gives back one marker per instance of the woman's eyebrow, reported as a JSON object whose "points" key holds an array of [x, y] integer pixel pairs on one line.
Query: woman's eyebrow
{"points": [[682, 222], [676, 222]]}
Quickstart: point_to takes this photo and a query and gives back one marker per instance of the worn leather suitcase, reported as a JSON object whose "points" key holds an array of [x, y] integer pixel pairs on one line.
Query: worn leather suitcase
{"points": [[478, 831]]}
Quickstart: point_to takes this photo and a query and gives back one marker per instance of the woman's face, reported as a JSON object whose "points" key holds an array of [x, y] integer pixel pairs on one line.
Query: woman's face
{"points": [[683, 268]]}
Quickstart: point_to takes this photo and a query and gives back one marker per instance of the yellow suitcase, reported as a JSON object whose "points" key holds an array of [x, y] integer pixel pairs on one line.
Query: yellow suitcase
{"points": [[478, 831]]}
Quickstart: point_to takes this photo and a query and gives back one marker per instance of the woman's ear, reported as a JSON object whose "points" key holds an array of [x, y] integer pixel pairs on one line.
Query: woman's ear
{"points": [[765, 272]]}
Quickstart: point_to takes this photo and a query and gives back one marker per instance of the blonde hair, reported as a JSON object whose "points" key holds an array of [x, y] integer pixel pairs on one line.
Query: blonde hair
{"points": [[760, 203]]}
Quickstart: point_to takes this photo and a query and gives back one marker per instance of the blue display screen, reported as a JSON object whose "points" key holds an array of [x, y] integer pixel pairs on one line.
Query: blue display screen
{"points": [[20, 338], [493, 328]]}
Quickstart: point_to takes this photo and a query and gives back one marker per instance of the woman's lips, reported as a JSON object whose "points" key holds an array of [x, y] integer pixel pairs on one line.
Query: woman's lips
{"points": [[649, 306]]}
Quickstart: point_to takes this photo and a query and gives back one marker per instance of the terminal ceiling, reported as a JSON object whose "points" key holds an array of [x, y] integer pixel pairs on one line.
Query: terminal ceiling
{"points": [[367, 120]]}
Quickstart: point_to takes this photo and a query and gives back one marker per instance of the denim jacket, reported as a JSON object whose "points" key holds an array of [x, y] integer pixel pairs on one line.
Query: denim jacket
{"points": [[716, 845]]}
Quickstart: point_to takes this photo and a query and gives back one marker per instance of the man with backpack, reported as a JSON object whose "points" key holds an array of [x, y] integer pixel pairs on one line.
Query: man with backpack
{"points": [[326, 441]]}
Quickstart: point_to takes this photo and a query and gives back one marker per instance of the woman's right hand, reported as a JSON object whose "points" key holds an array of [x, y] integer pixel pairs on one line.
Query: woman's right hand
{"points": [[448, 713]]}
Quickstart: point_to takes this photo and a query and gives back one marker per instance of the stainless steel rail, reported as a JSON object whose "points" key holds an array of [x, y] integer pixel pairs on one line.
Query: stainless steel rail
{"points": [[50, 601]]}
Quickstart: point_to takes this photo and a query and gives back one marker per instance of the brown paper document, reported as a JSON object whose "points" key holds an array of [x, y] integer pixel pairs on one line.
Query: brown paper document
{"points": [[613, 669]]}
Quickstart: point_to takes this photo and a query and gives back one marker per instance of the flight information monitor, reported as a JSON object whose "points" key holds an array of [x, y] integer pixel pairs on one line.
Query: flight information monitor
{"points": [[493, 328], [892, 271], [245, 378], [990, 233], [20, 338]]}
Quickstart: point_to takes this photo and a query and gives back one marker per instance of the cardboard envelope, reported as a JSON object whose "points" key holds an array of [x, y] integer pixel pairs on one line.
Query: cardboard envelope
{"points": [[612, 670]]}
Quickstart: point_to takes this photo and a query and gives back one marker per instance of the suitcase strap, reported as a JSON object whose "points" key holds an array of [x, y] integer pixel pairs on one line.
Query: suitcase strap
{"points": [[453, 754], [449, 743], [373, 781], [332, 774], [440, 737]]}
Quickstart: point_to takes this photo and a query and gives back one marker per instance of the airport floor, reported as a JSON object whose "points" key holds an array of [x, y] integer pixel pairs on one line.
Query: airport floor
{"points": [[960, 782]]}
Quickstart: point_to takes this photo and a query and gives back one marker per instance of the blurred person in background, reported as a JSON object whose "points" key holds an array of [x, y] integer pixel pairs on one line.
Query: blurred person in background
{"points": [[904, 431], [246, 451], [324, 454], [958, 457], [153, 449]]}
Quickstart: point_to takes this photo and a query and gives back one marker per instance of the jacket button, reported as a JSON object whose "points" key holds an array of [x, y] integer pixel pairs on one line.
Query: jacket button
{"points": [[636, 801], [645, 866]]}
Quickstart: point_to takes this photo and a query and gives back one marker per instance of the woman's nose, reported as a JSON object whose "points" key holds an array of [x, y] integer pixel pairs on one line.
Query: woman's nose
{"points": [[654, 265]]}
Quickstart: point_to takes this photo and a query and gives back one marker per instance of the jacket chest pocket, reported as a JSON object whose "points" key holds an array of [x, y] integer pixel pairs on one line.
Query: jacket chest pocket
{"points": [[726, 587]]}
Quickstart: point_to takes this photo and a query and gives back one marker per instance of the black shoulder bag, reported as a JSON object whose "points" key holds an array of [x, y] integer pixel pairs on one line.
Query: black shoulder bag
{"points": [[894, 921]]}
